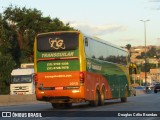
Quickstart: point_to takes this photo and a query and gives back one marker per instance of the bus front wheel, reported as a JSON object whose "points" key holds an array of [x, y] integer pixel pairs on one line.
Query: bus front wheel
{"points": [[124, 99], [61, 105], [57, 105]]}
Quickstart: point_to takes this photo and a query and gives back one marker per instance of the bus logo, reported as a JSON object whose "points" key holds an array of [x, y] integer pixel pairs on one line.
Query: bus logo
{"points": [[57, 43]]}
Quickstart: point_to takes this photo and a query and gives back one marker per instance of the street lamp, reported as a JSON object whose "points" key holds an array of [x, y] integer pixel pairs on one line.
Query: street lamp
{"points": [[144, 21], [157, 74]]}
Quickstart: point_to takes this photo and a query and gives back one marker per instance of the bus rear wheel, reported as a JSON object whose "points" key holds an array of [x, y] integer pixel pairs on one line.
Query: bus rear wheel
{"points": [[96, 102], [102, 97]]}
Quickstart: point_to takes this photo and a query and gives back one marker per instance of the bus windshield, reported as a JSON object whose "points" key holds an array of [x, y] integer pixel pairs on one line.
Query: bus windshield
{"points": [[21, 79], [57, 42]]}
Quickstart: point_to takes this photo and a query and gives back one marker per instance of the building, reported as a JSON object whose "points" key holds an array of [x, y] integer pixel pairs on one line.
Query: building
{"points": [[136, 51], [155, 75]]}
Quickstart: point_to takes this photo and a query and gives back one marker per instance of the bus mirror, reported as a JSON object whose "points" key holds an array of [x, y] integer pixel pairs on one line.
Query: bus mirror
{"points": [[86, 42]]}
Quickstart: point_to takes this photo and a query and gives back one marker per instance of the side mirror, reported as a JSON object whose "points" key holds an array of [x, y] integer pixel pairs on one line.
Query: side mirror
{"points": [[33, 78], [132, 69]]}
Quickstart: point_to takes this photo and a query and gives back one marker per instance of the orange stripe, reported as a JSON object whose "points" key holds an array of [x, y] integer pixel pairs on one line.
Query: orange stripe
{"points": [[48, 59]]}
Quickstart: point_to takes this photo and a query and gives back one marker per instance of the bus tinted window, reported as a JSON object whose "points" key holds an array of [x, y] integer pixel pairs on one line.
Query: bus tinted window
{"points": [[105, 52], [57, 42]]}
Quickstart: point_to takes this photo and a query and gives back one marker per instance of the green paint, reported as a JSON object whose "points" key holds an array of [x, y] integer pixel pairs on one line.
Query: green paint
{"points": [[58, 65], [117, 78]]}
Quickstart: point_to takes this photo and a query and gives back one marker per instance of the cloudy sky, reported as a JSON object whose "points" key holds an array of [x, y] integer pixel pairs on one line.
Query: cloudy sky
{"points": [[117, 21]]}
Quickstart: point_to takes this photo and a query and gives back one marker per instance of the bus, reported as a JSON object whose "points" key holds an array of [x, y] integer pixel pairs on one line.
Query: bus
{"points": [[71, 67]]}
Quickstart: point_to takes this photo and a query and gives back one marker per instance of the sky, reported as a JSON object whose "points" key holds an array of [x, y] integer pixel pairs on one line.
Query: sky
{"points": [[116, 21]]}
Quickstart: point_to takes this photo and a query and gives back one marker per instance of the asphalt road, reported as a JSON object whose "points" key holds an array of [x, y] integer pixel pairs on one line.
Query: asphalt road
{"points": [[136, 108]]}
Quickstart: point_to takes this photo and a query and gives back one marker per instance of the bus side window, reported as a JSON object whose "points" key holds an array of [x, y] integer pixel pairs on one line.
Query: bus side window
{"points": [[86, 42]]}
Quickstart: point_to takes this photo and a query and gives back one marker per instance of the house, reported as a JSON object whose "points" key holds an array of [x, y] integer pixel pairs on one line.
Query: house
{"points": [[155, 75]]}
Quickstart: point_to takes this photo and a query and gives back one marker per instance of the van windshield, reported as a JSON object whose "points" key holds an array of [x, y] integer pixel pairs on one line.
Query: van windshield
{"points": [[21, 79]]}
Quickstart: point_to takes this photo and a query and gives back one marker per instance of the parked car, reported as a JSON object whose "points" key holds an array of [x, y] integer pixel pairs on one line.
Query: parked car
{"points": [[149, 88], [139, 90], [157, 88]]}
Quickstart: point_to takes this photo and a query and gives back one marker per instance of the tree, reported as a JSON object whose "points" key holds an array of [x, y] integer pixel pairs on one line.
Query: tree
{"points": [[141, 56], [128, 47], [29, 22], [8, 48], [152, 52], [18, 28], [148, 67]]}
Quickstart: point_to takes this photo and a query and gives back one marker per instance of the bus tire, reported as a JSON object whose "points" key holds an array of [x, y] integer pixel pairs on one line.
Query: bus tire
{"points": [[102, 97], [124, 99], [58, 105], [96, 102], [68, 105]]}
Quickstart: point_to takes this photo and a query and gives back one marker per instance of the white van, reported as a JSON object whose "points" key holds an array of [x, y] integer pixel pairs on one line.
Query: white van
{"points": [[22, 81]]}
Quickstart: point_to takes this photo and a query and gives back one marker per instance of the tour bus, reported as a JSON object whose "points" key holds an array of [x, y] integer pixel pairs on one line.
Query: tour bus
{"points": [[72, 67]]}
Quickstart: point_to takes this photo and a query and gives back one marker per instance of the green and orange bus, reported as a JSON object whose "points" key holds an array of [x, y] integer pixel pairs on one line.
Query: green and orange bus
{"points": [[72, 67]]}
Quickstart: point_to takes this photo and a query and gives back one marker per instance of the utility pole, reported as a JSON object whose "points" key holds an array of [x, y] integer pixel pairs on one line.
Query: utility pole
{"points": [[144, 21]]}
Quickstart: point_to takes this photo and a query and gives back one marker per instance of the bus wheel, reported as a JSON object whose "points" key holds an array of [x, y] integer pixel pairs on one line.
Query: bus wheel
{"points": [[102, 97], [124, 99], [96, 102], [68, 105], [58, 105]]}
